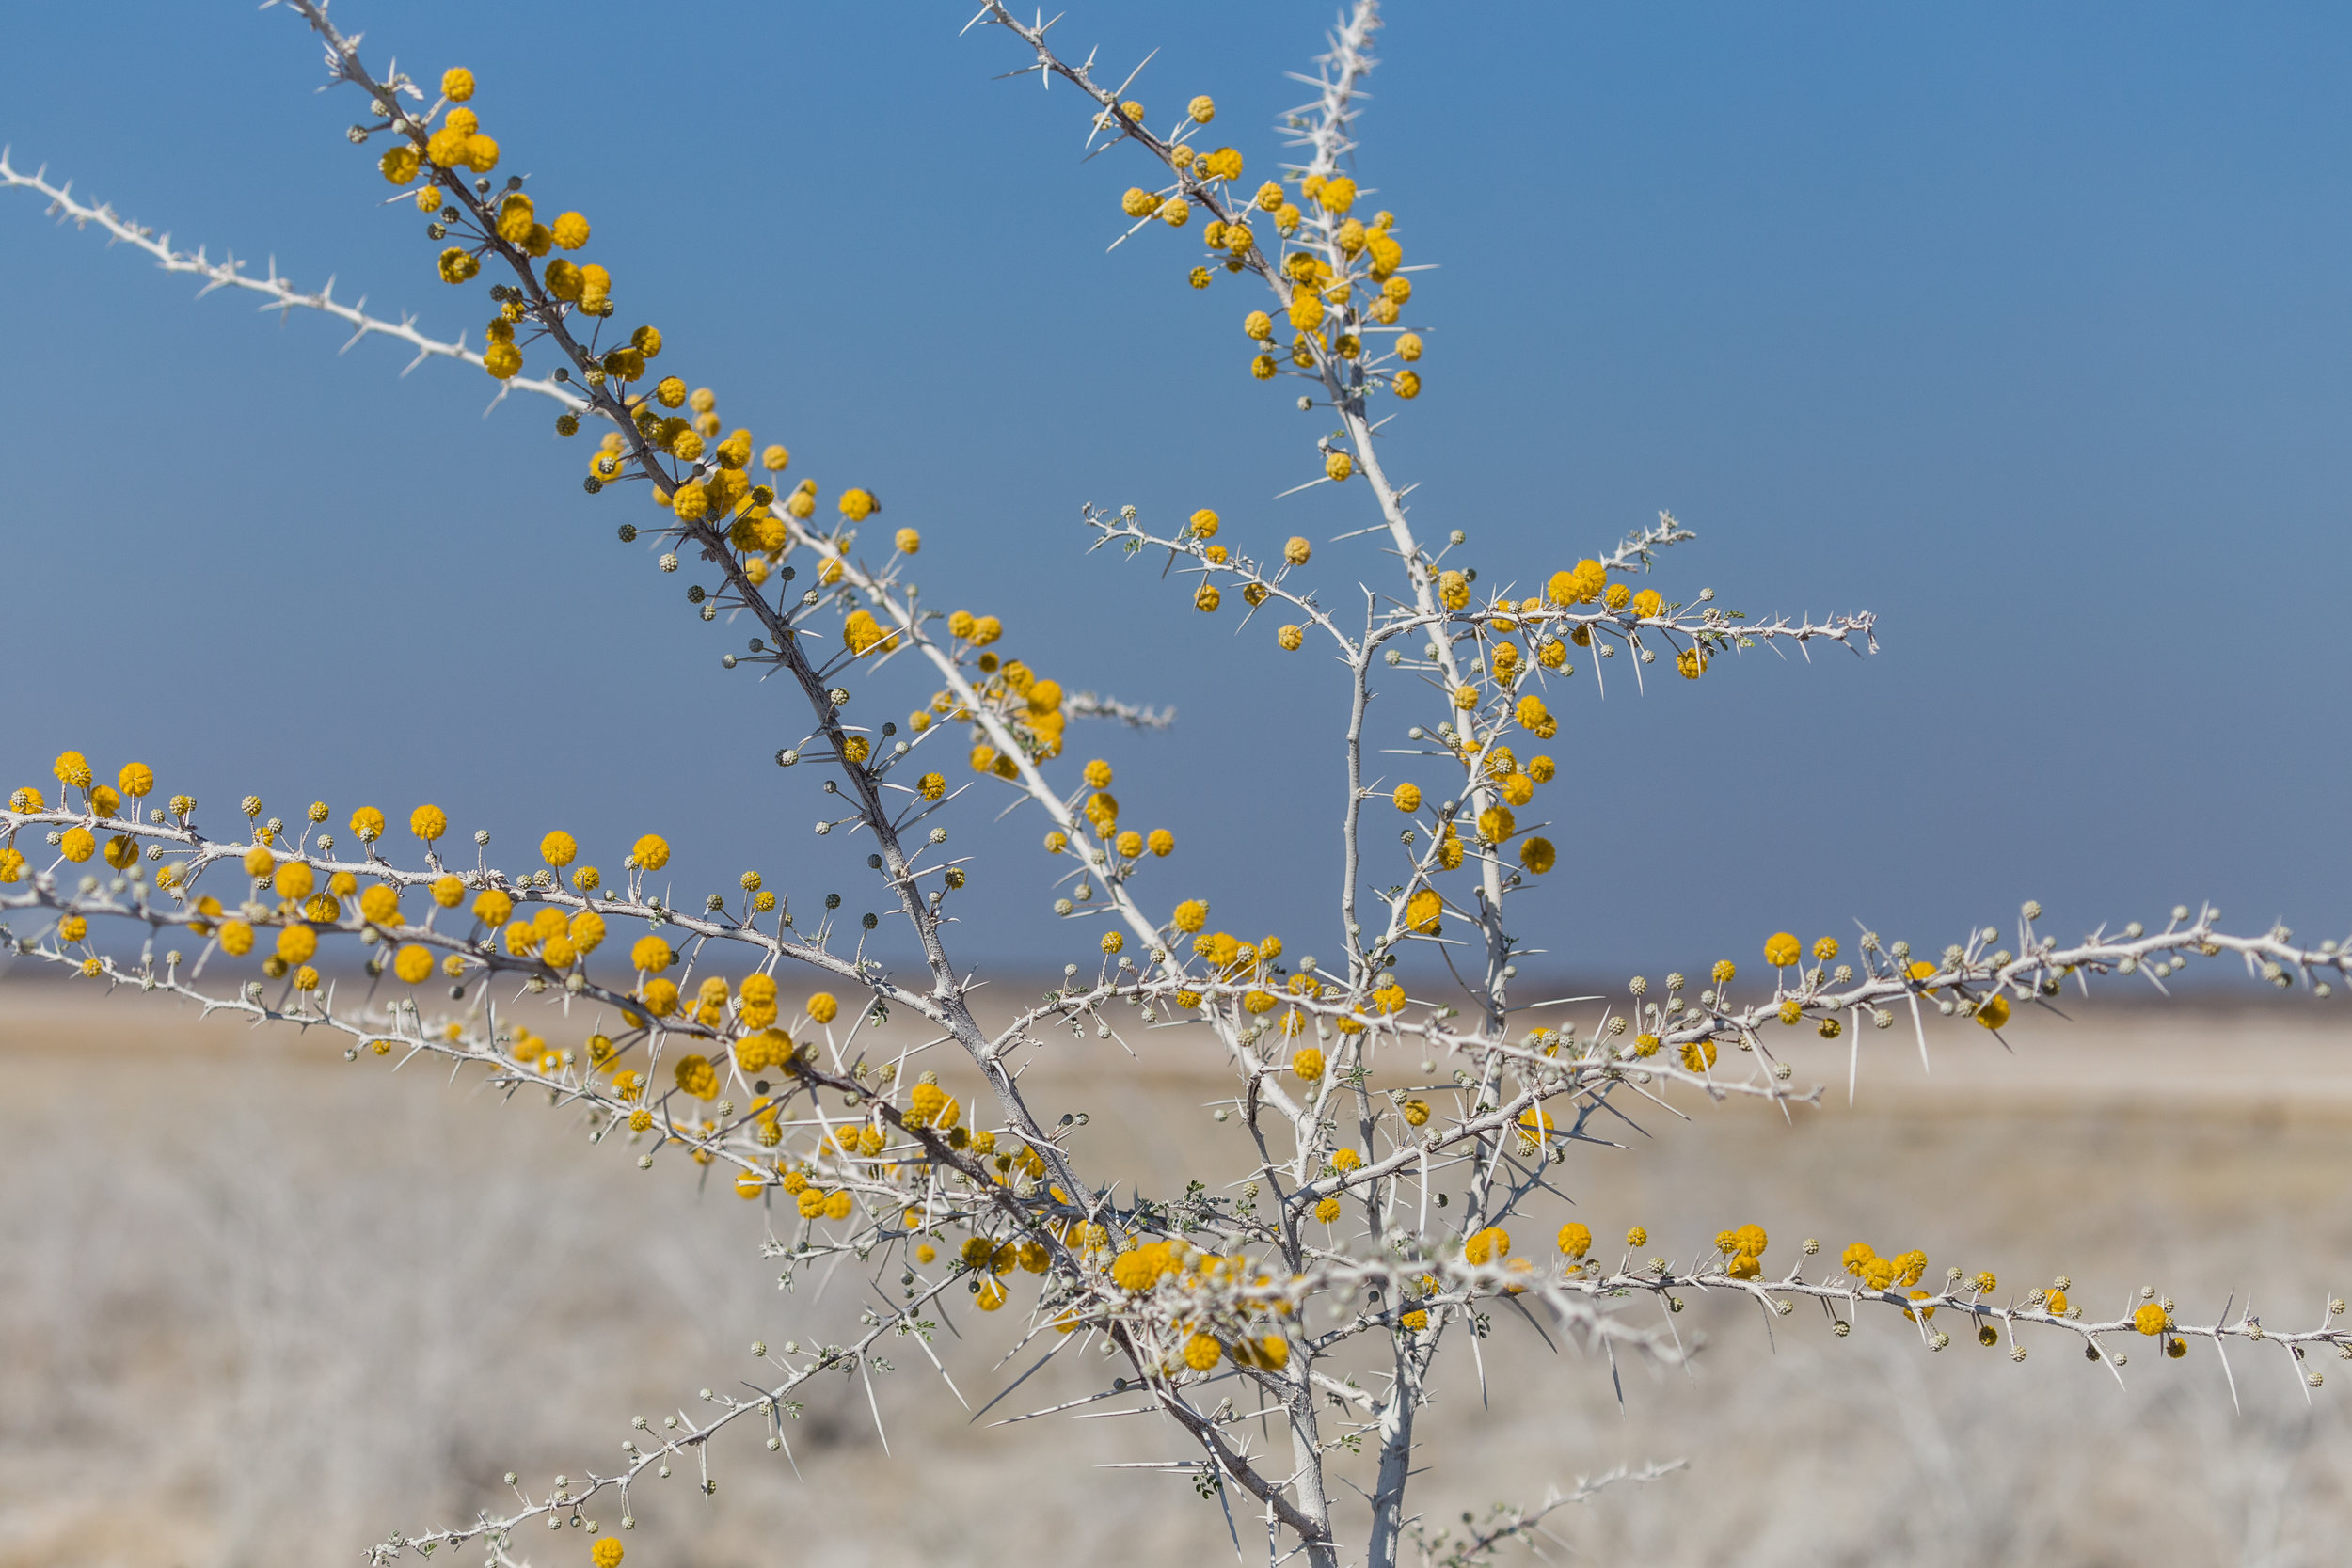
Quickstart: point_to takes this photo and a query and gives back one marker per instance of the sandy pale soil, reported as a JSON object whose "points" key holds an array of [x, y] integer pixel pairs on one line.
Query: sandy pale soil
{"points": [[261, 1306]]}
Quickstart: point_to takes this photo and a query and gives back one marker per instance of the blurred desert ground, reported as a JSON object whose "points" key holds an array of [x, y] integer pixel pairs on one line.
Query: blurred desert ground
{"points": [[259, 1306]]}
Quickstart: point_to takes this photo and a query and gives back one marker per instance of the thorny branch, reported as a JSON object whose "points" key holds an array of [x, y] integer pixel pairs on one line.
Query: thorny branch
{"points": [[1245, 1292]]}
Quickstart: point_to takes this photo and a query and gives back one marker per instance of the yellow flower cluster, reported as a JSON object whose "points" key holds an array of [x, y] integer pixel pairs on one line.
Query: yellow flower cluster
{"points": [[1872, 1272], [1743, 1251], [1335, 275], [442, 157], [1028, 705]]}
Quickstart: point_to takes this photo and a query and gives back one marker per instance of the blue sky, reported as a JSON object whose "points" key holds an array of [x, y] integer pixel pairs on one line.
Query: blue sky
{"points": [[2024, 327]]}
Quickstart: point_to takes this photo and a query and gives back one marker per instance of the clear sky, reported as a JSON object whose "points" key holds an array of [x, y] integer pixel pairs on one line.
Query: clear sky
{"points": [[2023, 326]]}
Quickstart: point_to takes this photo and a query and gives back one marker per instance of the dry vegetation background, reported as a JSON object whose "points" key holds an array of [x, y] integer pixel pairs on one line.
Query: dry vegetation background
{"points": [[261, 1307]]}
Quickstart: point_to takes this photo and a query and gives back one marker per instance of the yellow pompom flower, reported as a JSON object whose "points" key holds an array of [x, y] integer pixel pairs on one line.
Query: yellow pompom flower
{"points": [[565, 281], [1308, 1064], [1205, 599], [559, 850], [1202, 110], [428, 823], [1338, 466], [823, 1008], [1782, 949], [1422, 911], [1992, 1011], [78, 844], [297, 944], [1490, 1245], [2150, 1319], [697, 1077], [606, 1553], [1290, 638], [448, 892], [514, 217], [294, 881], [413, 964], [651, 954], [1450, 850], [1538, 855], [1190, 915], [456, 84], [862, 634], [1327, 1210]]}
